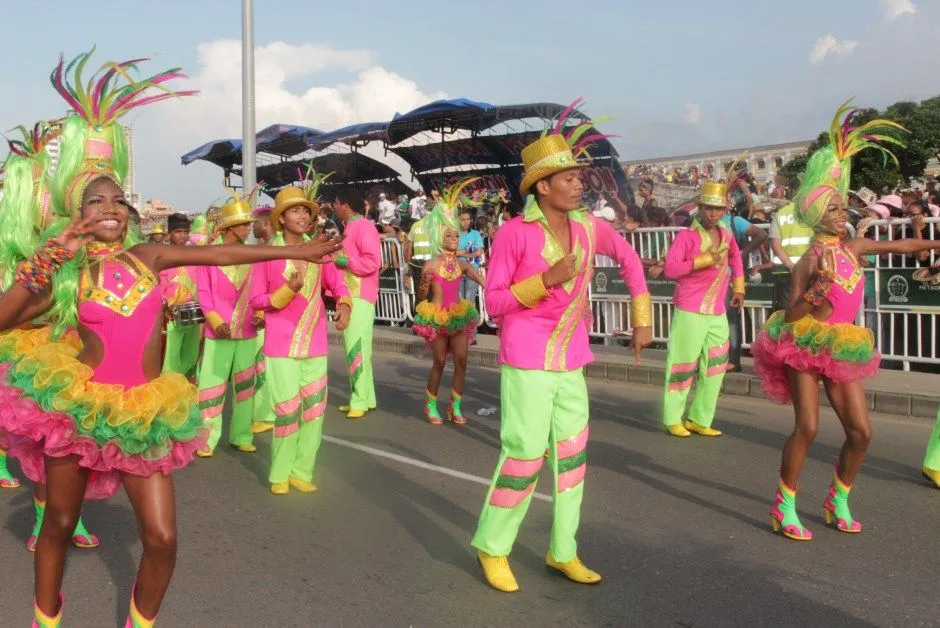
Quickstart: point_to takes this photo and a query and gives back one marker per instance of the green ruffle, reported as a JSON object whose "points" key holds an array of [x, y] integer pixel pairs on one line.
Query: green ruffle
{"points": [[843, 341]]}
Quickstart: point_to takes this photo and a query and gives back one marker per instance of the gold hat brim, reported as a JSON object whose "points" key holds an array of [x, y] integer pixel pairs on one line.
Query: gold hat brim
{"points": [[283, 207], [534, 176]]}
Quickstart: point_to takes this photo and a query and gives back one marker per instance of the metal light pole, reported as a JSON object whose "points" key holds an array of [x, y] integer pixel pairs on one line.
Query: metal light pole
{"points": [[248, 97]]}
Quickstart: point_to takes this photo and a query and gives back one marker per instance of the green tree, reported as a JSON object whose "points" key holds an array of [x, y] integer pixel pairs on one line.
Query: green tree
{"points": [[869, 168]]}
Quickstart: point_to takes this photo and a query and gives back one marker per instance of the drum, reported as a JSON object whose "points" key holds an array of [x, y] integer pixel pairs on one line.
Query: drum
{"points": [[188, 313]]}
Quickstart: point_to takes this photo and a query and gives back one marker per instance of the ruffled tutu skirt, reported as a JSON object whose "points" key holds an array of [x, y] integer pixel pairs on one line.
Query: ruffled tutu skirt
{"points": [[50, 407], [840, 352], [433, 322]]}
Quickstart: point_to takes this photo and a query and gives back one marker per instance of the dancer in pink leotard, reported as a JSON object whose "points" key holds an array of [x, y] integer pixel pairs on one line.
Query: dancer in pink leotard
{"points": [[445, 321], [87, 415], [816, 339]]}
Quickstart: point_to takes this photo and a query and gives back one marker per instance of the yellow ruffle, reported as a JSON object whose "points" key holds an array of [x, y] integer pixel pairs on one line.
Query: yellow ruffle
{"points": [[442, 316], [54, 365]]}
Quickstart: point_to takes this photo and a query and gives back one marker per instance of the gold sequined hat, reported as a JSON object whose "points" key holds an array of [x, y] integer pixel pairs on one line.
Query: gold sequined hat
{"points": [[559, 148], [158, 229], [235, 212], [714, 194]]}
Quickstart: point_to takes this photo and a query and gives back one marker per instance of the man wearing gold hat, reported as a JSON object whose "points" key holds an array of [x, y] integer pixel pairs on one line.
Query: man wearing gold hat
{"points": [[157, 234], [295, 342], [229, 350], [537, 290], [702, 260]]}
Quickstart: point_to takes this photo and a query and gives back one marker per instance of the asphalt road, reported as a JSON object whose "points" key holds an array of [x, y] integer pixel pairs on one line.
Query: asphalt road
{"points": [[678, 528]]}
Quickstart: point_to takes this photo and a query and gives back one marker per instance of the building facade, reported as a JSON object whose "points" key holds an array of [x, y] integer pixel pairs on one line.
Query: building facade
{"points": [[762, 161]]}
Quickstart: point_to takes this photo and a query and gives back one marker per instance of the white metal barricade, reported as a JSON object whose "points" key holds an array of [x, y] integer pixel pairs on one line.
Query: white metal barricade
{"points": [[392, 305]]}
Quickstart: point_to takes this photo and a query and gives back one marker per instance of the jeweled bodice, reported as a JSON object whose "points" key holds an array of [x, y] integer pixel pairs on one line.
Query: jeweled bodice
{"points": [[447, 278], [120, 303], [847, 279]]}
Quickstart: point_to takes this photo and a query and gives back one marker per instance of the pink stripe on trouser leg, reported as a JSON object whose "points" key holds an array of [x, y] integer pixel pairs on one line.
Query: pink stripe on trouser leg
{"points": [[281, 431], [716, 370], [287, 407], [356, 363], [573, 445], [245, 395], [686, 367], [714, 352], [509, 498], [211, 393], [570, 479], [245, 375], [313, 387], [315, 412], [520, 468]]}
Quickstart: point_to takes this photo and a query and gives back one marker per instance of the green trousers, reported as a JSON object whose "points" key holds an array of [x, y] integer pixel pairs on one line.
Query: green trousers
{"points": [[227, 361], [357, 342], [264, 406], [932, 458], [298, 389], [182, 349], [698, 343], [539, 409]]}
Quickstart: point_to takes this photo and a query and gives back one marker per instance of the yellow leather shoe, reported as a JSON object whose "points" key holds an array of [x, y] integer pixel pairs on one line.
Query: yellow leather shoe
{"points": [[345, 409], [260, 427], [698, 429], [933, 476], [280, 488], [497, 572], [574, 570], [678, 430], [205, 453], [302, 485], [248, 449], [356, 414]]}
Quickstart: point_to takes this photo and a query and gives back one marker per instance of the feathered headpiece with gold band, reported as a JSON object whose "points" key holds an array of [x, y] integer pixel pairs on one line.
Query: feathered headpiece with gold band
{"points": [[443, 216], [311, 182], [560, 146], [26, 208], [829, 170], [93, 143], [306, 195]]}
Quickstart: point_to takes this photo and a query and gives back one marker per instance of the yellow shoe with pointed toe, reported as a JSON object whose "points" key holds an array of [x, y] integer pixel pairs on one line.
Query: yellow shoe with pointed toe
{"points": [[574, 570], [698, 429], [260, 427], [933, 476], [345, 409], [355, 414], [280, 488], [497, 572], [302, 485], [678, 430], [205, 453], [248, 449]]}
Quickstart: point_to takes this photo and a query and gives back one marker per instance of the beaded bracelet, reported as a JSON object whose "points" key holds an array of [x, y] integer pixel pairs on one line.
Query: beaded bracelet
{"points": [[35, 274]]}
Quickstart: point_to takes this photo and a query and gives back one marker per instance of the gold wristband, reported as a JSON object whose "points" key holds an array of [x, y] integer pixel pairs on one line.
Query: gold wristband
{"points": [[529, 292], [705, 260], [641, 310], [214, 320], [282, 297], [737, 285]]}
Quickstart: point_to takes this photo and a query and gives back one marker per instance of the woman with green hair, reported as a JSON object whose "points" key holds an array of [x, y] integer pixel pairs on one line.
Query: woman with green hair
{"points": [[815, 339], [445, 321]]}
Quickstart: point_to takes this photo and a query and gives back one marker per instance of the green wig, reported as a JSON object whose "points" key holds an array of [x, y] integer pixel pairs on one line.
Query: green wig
{"points": [[444, 215], [829, 170]]}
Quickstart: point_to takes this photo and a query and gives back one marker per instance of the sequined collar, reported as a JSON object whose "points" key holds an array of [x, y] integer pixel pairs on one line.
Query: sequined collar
{"points": [[828, 240], [104, 249]]}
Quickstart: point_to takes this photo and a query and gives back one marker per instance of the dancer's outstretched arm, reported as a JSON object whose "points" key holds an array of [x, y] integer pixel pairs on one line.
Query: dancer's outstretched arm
{"points": [[161, 257]]}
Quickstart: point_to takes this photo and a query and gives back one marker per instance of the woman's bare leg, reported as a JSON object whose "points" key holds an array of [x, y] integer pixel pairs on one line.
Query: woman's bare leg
{"points": [[154, 501], [804, 388]]}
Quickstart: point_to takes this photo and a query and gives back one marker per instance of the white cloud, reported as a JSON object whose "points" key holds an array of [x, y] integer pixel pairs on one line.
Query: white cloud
{"points": [[828, 44], [693, 113], [896, 8], [287, 90]]}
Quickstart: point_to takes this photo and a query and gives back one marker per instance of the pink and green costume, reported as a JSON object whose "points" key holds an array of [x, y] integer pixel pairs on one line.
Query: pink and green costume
{"points": [[835, 348], [698, 336], [296, 349], [543, 349], [224, 294], [450, 317], [360, 259], [111, 416]]}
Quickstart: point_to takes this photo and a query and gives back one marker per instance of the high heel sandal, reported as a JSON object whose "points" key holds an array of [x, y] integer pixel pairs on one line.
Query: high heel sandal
{"points": [[836, 506], [454, 415], [431, 413], [783, 517]]}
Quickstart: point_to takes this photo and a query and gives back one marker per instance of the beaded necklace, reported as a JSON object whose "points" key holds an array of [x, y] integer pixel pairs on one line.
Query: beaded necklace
{"points": [[834, 253], [449, 268]]}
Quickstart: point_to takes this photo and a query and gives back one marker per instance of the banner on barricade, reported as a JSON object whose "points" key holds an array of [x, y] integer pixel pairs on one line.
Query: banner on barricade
{"points": [[388, 280], [905, 288], [608, 283]]}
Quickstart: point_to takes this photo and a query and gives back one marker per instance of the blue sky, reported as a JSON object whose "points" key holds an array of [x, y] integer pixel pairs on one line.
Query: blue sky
{"points": [[681, 76]]}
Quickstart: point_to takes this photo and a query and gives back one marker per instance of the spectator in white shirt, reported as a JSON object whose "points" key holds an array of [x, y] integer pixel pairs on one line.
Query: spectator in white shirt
{"points": [[388, 211], [417, 206]]}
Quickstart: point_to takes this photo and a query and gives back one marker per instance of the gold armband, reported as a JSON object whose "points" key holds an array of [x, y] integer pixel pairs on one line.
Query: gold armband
{"points": [[215, 321], [705, 260], [259, 314], [641, 310], [737, 285], [344, 301], [529, 291], [282, 297]]}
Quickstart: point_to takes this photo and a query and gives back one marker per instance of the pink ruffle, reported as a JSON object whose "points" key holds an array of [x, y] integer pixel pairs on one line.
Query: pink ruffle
{"points": [[771, 360], [30, 434]]}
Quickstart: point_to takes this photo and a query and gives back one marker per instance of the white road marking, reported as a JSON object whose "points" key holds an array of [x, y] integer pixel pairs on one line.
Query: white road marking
{"points": [[419, 463]]}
